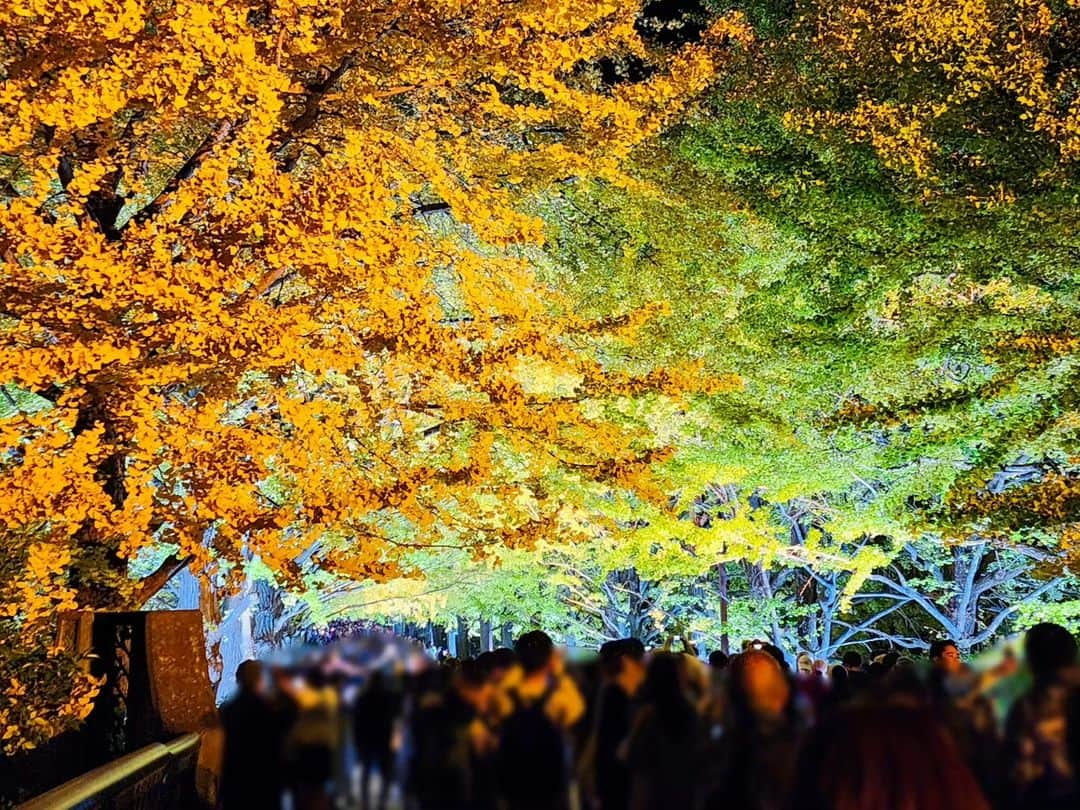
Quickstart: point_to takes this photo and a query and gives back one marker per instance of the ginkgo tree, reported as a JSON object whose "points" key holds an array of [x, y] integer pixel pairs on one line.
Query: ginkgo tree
{"points": [[875, 226], [976, 96], [276, 296], [229, 322]]}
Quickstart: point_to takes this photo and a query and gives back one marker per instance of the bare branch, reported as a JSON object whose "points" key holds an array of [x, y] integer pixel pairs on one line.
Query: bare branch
{"points": [[905, 590], [854, 630], [992, 628]]}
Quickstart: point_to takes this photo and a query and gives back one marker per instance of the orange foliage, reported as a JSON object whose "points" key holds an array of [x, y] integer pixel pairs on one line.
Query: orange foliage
{"points": [[1053, 500], [915, 63], [1051, 504], [221, 265]]}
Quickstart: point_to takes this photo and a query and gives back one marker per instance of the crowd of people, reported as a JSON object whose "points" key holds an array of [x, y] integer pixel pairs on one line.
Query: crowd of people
{"points": [[631, 729]]}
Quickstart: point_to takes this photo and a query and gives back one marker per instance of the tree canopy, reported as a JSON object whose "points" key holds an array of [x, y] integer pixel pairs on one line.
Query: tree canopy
{"points": [[867, 224], [230, 323], [352, 291]]}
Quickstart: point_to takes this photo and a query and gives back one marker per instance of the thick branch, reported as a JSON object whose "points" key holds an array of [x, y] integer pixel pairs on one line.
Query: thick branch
{"points": [[965, 598], [288, 134], [999, 578], [214, 137], [992, 628], [899, 641], [854, 630], [904, 590], [159, 579]]}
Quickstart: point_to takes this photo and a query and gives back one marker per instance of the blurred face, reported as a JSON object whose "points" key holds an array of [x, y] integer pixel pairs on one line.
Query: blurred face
{"points": [[254, 680], [632, 674], [805, 665], [949, 661], [766, 687], [558, 661], [479, 696]]}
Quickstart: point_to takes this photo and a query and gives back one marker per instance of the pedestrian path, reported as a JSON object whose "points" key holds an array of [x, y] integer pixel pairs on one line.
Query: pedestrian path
{"points": [[394, 801]]}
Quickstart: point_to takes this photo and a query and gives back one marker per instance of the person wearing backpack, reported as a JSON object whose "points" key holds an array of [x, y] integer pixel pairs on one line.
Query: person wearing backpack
{"points": [[540, 708], [452, 745]]}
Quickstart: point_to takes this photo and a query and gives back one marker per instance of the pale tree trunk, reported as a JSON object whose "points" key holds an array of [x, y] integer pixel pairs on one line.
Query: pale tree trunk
{"points": [[763, 587], [187, 590], [235, 637], [265, 616], [210, 608]]}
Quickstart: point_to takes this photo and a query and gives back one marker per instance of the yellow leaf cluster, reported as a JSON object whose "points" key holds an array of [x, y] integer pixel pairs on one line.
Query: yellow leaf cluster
{"points": [[264, 263], [958, 53]]}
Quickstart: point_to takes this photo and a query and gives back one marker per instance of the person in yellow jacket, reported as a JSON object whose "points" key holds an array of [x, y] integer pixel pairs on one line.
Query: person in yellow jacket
{"points": [[565, 705], [538, 705]]}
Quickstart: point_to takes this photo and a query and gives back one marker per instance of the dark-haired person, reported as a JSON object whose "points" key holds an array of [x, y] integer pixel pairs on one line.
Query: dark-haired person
{"points": [[749, 767], [838, 678], [254, 737], [714, 709], [500, 661], [945, 656], [966, 713], [857, 679], [502, 672], [838, 691], [452, 745], [666, 740], [374, 715], [622, 666], [1036, 732], [887, 757], [540, 706], [718, 660], [499, 668], [852, 661]]}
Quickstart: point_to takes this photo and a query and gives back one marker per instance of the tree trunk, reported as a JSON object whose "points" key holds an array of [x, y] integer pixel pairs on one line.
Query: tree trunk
{"points": [[234, 637], [187, 590], [463, 644], [724, 643], [102, 589], [211, 616]]}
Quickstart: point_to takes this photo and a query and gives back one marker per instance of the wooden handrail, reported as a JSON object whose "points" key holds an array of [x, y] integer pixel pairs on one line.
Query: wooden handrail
{"points": [[112, 775]]}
